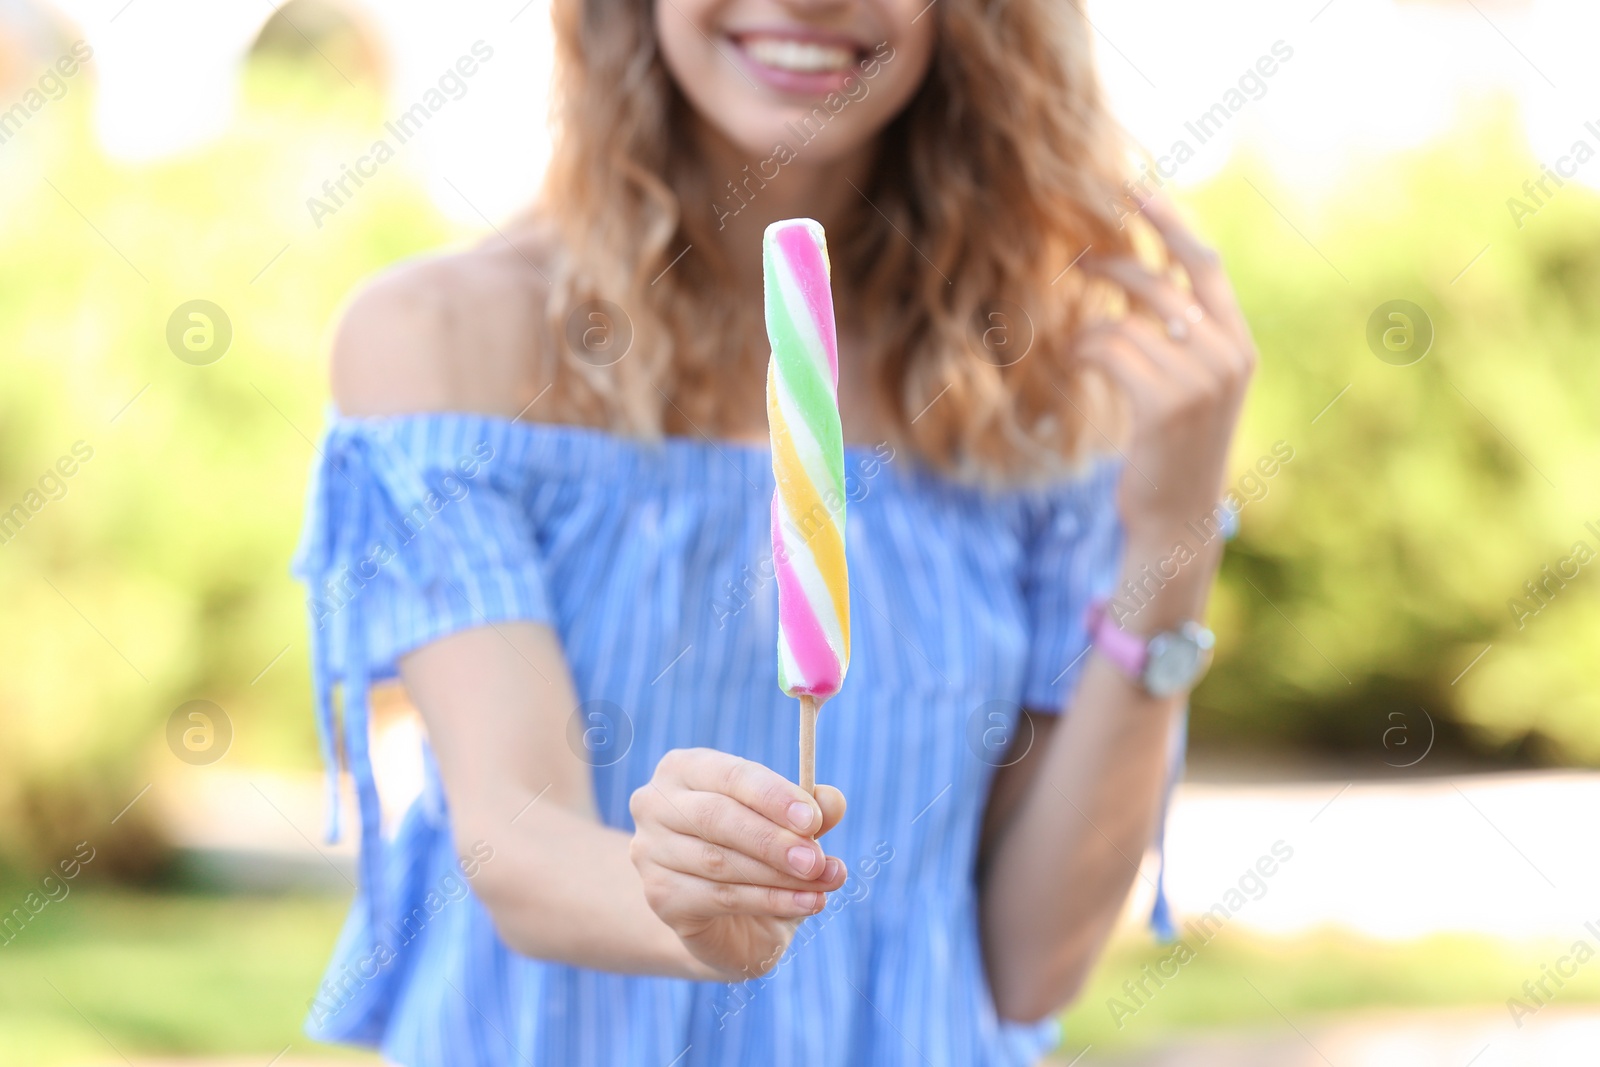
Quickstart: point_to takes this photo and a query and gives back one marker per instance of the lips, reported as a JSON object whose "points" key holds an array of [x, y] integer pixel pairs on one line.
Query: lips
{"points": [[799, 61], [799, 57]]}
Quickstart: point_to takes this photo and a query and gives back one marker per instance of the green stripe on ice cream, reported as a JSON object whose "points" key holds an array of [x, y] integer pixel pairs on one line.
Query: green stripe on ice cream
{"points": [[807, 462], [800, 356]]}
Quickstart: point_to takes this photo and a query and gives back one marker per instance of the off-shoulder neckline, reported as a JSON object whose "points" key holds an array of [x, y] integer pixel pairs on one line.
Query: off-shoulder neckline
{"points": [[591, 451], [578, 433]]}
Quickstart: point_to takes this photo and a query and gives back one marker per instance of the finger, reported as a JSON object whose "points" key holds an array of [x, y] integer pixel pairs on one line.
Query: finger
{"points": [[758, 788], [1172, 307], [1201, 263], [676, 897], [724, 821], [1192, 331], [1143, 386], [1205, 364], [832, 804], [1115, 354], [1183, 378], [1192, 328], [700, 858], [1186, 366]]}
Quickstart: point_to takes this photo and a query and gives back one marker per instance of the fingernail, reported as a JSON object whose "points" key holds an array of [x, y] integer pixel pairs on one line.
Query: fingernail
{"points": [[805, 901], [831, 869], [802, 860], [800, 815]]}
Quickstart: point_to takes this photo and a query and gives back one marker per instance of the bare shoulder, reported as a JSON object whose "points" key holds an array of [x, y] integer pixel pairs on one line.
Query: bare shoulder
{"points": [[455, 332]]}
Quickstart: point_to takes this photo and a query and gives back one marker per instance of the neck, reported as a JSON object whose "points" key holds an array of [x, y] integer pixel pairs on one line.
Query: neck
{"points": [[767, 189]]}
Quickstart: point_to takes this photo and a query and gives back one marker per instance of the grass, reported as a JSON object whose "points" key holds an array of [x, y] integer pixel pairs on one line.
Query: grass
{"points": [[106, 974], [1241, 980], [101, 975]]}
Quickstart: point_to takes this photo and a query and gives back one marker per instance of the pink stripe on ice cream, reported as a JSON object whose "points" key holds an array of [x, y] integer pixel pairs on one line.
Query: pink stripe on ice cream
{"points": [[811, 274], [798, 623]]}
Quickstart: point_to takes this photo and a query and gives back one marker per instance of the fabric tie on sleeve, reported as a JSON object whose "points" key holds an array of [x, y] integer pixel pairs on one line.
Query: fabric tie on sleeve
{"points": [[1161, 923], [362, 492]]}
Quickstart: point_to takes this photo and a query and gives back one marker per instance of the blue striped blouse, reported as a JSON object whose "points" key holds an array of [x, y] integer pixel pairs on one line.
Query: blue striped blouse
{"points": [[652, 563]]}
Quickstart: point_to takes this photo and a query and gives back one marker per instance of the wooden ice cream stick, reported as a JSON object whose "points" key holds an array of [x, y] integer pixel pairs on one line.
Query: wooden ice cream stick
{"points": [[809, 706]]}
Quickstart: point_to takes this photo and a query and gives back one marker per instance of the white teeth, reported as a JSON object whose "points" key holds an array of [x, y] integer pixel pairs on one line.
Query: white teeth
{"points": [[804, 57]]}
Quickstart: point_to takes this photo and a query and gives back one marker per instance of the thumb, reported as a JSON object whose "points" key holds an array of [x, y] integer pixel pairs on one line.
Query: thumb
{"points": [[831, 801]]}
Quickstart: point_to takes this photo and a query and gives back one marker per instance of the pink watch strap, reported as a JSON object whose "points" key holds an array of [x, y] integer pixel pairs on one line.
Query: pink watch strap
{"points": [[1128, 652]]}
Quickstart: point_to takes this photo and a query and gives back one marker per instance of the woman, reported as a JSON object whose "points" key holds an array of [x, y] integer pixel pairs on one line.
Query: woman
{"points": [[544, 506]]}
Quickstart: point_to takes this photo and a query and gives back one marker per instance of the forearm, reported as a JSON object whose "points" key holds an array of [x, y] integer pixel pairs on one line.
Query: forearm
{"points": [[1060, 865], [560, 884], [562, 887]]}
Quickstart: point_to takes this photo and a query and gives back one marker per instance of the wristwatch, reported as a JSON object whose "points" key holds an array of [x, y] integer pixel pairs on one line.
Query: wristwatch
{"points": [[1170, 662]]}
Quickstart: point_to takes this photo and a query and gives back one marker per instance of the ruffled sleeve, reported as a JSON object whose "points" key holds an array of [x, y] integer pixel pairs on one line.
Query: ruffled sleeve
{"points": [[413, 531], [1075, 553]]}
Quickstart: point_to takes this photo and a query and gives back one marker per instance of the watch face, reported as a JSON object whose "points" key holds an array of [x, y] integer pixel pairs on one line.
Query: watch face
{"points": [[1177, 660]]}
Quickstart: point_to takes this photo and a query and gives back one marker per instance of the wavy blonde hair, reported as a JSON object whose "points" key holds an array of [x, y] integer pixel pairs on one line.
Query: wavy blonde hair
{"points": [[1003, 168]]}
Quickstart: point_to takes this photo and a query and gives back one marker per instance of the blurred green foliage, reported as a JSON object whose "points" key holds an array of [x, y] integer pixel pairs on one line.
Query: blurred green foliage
{"points": [[1376, 567], [161, 575], [166, 973]]}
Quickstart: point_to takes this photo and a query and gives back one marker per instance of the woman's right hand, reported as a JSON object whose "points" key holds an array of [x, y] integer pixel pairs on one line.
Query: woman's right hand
{"points": [[727, 852]]}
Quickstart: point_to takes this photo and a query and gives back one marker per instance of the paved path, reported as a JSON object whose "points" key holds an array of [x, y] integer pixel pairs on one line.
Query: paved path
{"points": [[1392, 858]]}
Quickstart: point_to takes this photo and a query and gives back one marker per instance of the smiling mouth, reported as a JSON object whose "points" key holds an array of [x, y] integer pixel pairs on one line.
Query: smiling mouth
{"points": [[799, 57]]}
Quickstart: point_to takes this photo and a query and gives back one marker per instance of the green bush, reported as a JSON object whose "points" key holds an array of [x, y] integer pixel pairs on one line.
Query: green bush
{"points": [[1380, 563], [161, 575]]}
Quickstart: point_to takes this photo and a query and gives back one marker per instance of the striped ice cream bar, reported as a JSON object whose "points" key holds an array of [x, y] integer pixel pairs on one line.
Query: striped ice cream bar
{"points": [[807, 461]]}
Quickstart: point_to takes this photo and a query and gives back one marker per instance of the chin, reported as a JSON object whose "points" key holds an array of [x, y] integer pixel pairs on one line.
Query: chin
{"points": [[794, 135], [776, 87]]}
